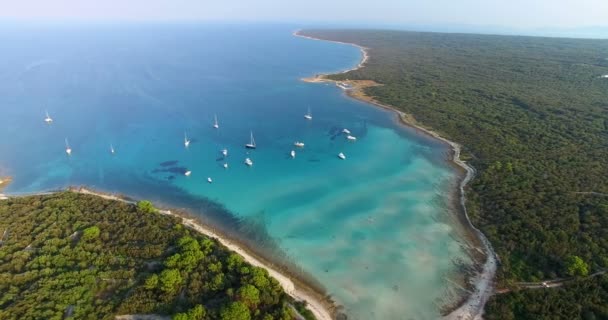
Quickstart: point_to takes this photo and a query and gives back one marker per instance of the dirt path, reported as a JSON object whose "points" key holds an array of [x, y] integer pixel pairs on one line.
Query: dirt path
{"points": [[548, 284], [593, 193]]}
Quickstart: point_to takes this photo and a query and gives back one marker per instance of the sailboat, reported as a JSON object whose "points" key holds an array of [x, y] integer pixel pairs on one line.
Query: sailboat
{"points": [[293, 154], [251, 144], [225, 165], [209, 180], [299, 144], [68, 150], [248, 162], [215, 124], [112, 151], [351, 138], [345, 131], [186, 140], [188, 173], [341, 156], [308, 116], [225, 152], [48, 118]]}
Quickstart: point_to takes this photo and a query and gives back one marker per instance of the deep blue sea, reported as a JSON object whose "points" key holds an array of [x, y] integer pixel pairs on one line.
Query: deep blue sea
{"points": [[373, 229]]}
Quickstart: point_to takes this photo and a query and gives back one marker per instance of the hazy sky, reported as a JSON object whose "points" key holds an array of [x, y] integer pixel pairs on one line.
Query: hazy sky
{"points": [[507, 13]]}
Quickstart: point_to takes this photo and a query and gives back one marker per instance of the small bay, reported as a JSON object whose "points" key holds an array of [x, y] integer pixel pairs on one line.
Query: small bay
{"points": [[373, 229]]}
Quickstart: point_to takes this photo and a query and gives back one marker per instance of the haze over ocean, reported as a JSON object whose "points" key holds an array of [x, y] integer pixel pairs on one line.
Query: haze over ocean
{"points": [[374, 228]]}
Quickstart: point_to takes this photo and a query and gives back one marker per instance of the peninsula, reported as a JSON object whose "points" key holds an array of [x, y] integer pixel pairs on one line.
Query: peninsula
{"points": [[94, 255]]}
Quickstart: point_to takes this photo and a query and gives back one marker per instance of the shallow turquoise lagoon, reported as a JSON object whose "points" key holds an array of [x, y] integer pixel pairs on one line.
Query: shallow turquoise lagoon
{"points": [[373, 229]]}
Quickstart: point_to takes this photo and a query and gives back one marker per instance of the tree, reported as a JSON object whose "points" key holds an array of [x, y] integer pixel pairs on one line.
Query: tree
{"points": [[170, 280], [151, 282], [196, 313], [180, 316], [235, 311], [90, 233], [234, 261], [575, 266], [145, 206], [249, 295]]}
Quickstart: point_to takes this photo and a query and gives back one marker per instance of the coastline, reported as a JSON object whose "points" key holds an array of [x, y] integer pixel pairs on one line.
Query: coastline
{"points": [[364, 52], [321, 307], [483, 285]]}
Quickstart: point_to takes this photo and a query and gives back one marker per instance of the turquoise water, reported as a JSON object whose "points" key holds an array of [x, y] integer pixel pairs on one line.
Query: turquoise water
{"points": [[373, 229]]}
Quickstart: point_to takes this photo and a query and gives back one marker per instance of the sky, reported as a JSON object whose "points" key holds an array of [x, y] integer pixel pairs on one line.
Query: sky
{"points": [[516, 14]]}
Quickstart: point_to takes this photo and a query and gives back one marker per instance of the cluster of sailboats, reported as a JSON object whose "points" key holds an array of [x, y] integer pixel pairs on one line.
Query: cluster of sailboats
{"points": [[250, 145]]}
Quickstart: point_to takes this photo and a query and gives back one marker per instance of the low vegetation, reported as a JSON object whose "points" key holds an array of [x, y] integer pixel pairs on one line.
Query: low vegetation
{"points": [[75, 256]]}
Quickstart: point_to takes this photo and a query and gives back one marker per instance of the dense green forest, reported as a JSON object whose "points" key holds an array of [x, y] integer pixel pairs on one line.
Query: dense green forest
{"points": [[585, 299], [532, 116], [75, 256]]}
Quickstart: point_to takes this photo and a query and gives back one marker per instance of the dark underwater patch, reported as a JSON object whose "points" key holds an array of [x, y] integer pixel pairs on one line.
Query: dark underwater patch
{"points": [[177, 170], [169, 163]]}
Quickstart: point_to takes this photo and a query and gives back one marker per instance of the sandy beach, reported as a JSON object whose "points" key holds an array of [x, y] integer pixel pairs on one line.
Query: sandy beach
{"points": [[483, 283], [319, 308]]}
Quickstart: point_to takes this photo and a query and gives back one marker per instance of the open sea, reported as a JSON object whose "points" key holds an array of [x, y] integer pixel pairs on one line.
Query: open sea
{"points": [[373, 229]]}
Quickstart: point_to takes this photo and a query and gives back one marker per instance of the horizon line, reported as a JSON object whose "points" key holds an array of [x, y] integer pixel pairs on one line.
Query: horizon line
{"points": [[599, 32]]}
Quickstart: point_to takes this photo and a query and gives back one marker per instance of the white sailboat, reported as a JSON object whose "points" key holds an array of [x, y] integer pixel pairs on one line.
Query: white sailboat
{"points": [[293, 154], [225, 152], [299, 144], [209, 180], [251, 144], [248, 162], [225, 165], [215, 124], [186, 140], [188, 173], [351, 138], [68, 150], [345, 131], [308, 116], [341, 156], [48, 118], [112, 151]]}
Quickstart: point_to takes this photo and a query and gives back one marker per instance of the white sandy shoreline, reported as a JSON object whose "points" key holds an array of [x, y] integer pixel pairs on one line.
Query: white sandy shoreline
{"points": [[364, 50], [473, 307], [313, 304]]}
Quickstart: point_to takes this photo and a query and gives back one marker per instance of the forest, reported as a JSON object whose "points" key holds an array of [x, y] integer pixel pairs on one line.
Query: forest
{"points": [[532, 117], [76, 256]]}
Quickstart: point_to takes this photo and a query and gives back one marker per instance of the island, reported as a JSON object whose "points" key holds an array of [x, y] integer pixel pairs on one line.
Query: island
{"points": [[529, 116], [78, 255]]}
